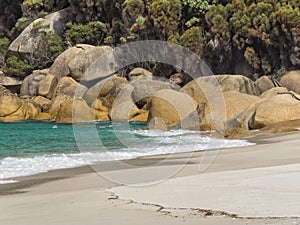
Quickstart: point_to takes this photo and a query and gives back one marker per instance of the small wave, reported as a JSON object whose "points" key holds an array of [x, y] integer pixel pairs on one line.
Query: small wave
{"points": [[158, 133], [8, 181], [11, 167], [40, 150]]}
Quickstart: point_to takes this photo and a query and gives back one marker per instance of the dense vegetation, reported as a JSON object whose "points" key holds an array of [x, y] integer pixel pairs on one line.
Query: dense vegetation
{"points": [[252, 37]]}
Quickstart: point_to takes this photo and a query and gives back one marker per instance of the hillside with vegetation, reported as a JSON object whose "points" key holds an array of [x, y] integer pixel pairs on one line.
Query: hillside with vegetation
{"points": [[47, 46], [249, 37]]}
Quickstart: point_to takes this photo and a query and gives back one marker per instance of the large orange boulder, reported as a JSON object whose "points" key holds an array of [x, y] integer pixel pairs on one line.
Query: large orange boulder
{"points": [[171, 106], [291, 81]]}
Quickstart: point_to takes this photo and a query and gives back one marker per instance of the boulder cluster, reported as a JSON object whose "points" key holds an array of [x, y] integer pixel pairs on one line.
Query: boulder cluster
{"points": [[221, 102]]}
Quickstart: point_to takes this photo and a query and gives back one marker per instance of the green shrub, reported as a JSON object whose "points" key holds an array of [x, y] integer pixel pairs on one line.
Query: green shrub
{"points": [[193, 21], [91, 33], [252, 58], [4, 44], [50, 46], [17, 67], [20, 25], [198, 7], [194, 11], [33, 2], [31, 8], [139, 31]]}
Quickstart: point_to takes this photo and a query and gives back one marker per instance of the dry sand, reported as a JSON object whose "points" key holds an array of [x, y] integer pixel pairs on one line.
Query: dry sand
{"points": [[252, 185]]}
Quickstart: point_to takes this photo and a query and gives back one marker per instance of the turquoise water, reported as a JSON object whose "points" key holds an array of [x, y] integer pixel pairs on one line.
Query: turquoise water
{"points": [[32, 138], [27, 139], [33, 147]]}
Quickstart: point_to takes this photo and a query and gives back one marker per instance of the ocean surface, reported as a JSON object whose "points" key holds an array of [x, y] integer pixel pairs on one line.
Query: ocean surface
{"points": [[28, 148]]}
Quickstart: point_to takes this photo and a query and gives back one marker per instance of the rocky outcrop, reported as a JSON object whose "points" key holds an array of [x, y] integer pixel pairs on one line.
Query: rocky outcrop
{"points": [[30, 84], [11, 83], [67, 86], [60, 67], [236, 83], [228, 112], [274, 91], [127, 111], [157, 123], [263, 84], [29, 40], [47, 86], [43, 102], [237, 133], [227, 103], [101, 112], [283, 127], [276, 109], [123, 108], [43, 117], [9, 104], [142, 116], [75, 111], [200, 91], [13, 108], [205, 88], [139, 73], [179, 79], [79, 64], [4, 91], [31, 109], [70, 90], [144, 89], [171, 106], [291, 81], [107, 90], [233, 110], [55, 106]]}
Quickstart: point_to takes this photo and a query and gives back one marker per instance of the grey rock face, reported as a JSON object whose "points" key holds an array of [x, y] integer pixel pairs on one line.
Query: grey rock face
{"points": [[30, 84]]}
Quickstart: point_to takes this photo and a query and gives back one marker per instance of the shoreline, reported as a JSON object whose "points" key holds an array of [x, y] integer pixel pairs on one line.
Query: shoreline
{"points": [[16, 162], [257, 138]]}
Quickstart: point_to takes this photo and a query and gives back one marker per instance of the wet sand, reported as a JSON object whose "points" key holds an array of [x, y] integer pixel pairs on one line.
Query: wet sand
{"points": [[251, 185]]}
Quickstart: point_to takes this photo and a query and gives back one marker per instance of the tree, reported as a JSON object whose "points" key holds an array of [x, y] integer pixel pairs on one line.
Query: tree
{"points": [[192, 39], [166, 15], [31, 8], [49, 47], [134, 8], [218, 19], [194, 11]]}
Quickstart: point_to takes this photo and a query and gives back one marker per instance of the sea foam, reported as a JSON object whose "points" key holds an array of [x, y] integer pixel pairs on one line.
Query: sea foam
{"points": [[149, 143]]}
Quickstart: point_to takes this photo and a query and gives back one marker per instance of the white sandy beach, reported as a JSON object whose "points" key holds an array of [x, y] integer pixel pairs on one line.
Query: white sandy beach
{"points": [[251, 185]]}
